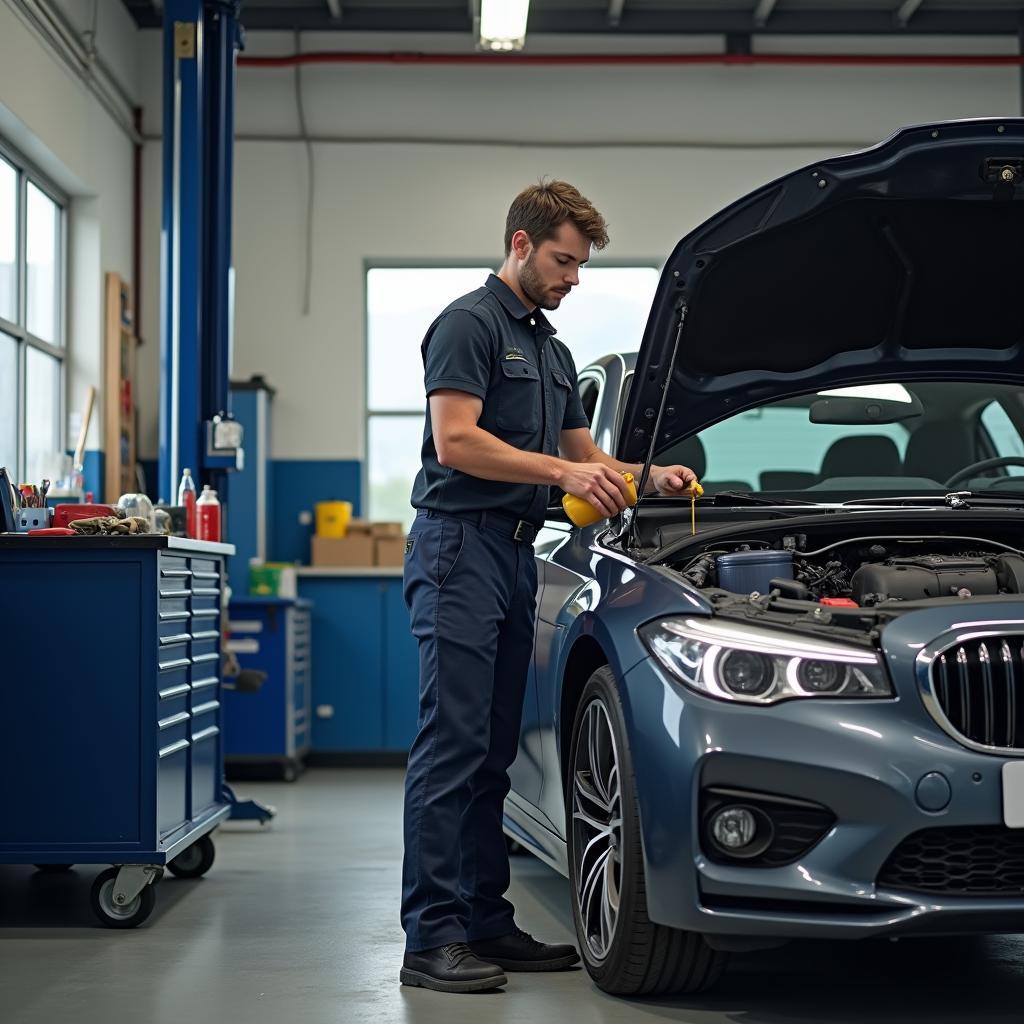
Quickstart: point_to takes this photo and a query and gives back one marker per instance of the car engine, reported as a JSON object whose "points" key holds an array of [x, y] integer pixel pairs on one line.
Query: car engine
{"points": [[861, 572]]}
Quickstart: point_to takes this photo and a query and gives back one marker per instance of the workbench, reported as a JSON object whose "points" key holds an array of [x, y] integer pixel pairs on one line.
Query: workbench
{"points": [[110, 738]]}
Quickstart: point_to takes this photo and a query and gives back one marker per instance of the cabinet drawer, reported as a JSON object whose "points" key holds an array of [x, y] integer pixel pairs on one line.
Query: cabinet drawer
{"points": [[173, 677], [172, 787], [206, 650], [173, 656], [173, 701]]}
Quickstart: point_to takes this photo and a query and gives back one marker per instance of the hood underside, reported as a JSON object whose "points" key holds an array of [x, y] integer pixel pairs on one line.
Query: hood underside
{"points": [[898, 262]]}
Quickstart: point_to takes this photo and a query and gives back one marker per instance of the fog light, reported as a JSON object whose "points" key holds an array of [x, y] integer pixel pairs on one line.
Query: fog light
{"points": [[734, 828]]}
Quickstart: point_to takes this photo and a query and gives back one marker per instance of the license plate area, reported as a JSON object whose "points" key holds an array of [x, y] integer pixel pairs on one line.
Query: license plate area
{"points": [[1013, 794]]}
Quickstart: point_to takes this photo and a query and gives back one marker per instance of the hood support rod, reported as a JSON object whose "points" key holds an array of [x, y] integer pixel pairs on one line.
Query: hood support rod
{"points": [[649, 460]]}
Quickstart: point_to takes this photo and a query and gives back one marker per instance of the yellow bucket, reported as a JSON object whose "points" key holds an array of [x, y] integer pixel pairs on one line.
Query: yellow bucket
{"points": [[332, 518]]}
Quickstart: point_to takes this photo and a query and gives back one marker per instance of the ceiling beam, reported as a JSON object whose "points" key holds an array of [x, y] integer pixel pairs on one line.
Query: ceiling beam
{"points": [[927, 19], [907, 9], [615, 12], [763, 12], [334, 8]]}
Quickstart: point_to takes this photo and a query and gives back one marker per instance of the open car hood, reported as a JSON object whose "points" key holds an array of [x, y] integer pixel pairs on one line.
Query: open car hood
{"points": [[898, 262]]}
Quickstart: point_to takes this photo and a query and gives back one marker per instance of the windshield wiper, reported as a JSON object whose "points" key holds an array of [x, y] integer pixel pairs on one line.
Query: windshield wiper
{"points": [[745, 498], [959, 500]]}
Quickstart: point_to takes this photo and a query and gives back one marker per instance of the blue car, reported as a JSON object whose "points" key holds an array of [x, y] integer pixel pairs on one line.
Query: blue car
{"points": [[796, 709]]}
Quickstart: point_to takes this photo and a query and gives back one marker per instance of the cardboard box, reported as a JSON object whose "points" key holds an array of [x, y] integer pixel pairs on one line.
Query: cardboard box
{"points": [[389, 551], [359, 527], [386, 529], [352, 551], [272, 579]]}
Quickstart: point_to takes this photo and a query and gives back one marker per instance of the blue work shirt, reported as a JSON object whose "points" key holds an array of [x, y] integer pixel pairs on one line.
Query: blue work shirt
{"points": [[487, 343]]}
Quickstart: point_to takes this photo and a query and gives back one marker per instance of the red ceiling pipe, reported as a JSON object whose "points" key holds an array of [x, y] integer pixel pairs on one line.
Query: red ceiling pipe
{"points": [[644, 59]]}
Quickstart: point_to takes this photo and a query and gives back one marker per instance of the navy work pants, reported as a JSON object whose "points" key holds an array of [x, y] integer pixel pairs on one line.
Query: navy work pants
{"points": [[471, 591]]}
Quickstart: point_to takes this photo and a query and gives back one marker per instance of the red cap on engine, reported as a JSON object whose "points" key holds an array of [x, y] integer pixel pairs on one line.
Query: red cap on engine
{"points": [[839, 602]]}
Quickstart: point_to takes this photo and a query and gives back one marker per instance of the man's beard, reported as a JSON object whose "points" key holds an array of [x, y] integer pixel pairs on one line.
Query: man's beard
{"points": [[533, 287]]}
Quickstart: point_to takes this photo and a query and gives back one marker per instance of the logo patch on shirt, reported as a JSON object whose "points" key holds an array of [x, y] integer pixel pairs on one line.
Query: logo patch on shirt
{"points": [[515, 353], [409, 545]]}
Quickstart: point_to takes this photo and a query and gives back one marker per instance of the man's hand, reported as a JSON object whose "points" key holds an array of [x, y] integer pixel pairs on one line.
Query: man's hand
{"points": [[597, 483], [672, 481]]}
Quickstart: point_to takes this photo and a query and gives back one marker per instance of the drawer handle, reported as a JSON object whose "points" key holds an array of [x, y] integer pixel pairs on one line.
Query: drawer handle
{"points": [[208, 634], [202, 684], [175, 574], [177, 638], [174, 691], [197, 575], [167, 723], [173, 616], [204, 613], [206, 591], [202, 709], [174, 748], [198, 659], [166, 666], [205, 734]]}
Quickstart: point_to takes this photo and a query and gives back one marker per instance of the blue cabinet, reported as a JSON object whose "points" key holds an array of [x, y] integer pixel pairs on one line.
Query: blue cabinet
{"points": [[366, 675], [111, 721], [270, 727]]}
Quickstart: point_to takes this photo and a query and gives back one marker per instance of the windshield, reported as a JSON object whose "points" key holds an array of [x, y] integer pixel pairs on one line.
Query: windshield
{"points": [[868, 441]]}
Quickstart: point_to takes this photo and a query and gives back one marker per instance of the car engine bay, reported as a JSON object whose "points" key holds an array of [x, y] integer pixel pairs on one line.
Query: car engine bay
{"points": [[846, 570]]}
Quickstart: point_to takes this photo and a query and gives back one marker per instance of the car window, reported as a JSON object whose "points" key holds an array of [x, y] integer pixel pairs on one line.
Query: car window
{"points": [[945, 426], [1002, 435], [589, 390], [747, 449]]}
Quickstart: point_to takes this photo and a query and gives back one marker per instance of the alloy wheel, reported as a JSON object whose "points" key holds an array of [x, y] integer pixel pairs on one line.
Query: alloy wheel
{"points": [[597, 829]]}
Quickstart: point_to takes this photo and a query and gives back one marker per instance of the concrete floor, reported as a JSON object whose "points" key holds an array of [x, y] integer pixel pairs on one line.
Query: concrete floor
{"points": [[298, 924]]}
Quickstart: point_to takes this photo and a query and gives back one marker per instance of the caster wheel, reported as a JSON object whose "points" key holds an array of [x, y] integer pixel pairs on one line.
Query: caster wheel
{"points": [[195, 861], [131, 915], [289, 772], [53, 869]]}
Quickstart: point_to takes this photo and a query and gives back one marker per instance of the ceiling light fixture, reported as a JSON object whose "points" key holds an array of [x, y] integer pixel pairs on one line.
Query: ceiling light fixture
{"points": [[503, 25]]}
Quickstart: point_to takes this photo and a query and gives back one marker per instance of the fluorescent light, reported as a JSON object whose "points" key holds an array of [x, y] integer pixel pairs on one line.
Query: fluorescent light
{"points": [[503, 24]]}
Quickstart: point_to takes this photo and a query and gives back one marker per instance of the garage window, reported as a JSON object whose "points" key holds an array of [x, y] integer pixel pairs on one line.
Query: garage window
{"points": [[32, 285], [608, 315]]}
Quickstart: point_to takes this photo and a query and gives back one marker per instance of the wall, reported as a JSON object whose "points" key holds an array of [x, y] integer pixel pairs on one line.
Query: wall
{"points": [[657, 149], [48, 114]]}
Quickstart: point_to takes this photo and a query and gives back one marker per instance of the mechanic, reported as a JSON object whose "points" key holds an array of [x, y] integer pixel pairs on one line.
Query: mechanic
{"points": [[501, 404]]}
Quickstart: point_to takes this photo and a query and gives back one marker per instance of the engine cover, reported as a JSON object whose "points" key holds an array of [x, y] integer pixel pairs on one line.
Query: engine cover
{"points": [[923, 576]]}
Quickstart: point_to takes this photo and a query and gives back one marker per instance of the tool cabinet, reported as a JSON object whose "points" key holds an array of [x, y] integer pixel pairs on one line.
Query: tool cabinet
{"points": [[270, 729], [111, 739]]}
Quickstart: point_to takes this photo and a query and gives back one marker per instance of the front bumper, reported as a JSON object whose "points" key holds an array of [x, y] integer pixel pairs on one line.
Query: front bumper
{"points": [[863, 760]]}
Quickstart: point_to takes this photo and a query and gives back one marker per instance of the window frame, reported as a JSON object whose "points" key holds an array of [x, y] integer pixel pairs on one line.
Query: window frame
{"points": [[27, 173], [445, 264]]}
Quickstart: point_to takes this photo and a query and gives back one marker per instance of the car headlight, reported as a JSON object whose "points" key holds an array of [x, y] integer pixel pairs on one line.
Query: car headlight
{"points": [[751, 665]]}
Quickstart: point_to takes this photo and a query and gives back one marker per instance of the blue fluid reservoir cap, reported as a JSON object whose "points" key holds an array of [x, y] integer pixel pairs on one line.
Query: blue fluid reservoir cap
{"points": [[934, 792]]}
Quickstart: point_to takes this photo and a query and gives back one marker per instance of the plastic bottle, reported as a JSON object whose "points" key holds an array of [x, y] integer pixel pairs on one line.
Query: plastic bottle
{"points": [[208, 515], [582, 513], [187, 498]]}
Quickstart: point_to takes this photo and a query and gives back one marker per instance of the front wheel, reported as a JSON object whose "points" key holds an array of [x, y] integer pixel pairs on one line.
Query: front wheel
{"points": [[194, 861], [624, 951], [114, 915]]}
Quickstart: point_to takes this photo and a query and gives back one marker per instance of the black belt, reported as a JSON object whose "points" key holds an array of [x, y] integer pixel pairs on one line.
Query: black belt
{"points": [[515, 529]]}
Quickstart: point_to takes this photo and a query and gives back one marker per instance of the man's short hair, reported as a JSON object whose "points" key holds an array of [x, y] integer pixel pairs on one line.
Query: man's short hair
{"points": [[541, 209]]}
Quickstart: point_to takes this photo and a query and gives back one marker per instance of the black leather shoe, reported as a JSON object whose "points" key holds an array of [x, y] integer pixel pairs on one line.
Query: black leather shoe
{"points": [[520, 951], [451, 968]]}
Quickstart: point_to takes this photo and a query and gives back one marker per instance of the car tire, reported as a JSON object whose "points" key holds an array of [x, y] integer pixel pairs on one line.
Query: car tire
{"points": [[624, 951]]}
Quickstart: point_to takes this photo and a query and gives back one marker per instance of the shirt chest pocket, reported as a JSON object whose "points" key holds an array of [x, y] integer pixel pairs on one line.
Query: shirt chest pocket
{"points": [[519, 397]]}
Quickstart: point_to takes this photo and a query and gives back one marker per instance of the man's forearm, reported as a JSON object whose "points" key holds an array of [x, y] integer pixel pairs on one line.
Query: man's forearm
{"points": [[479, 453]]}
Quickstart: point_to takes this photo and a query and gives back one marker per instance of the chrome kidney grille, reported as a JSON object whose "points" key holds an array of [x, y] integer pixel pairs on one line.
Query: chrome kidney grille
{"points": [[978, 687]]}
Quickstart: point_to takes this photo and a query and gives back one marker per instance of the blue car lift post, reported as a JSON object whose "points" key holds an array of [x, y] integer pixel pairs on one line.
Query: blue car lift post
{"points": [[201, 41]]}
